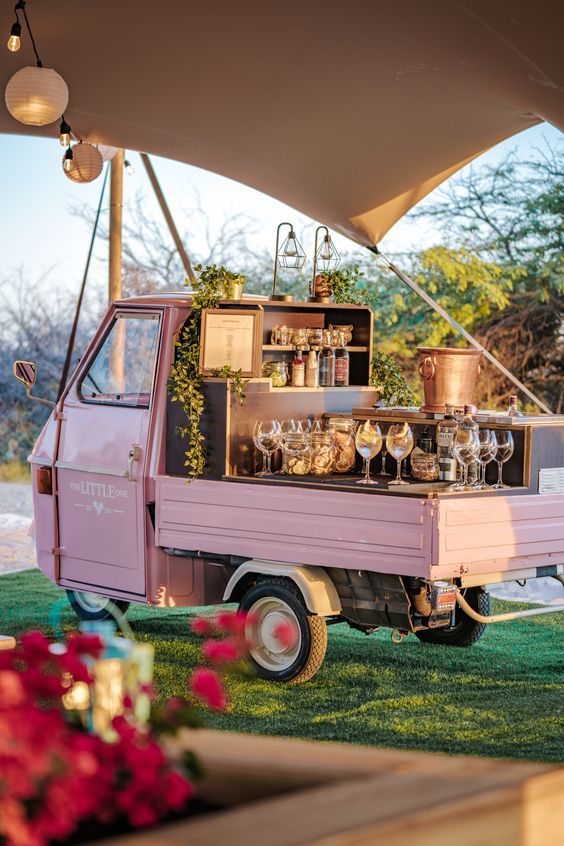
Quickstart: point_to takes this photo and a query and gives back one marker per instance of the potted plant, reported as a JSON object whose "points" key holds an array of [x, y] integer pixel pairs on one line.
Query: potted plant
{"points": [[387, 378]]}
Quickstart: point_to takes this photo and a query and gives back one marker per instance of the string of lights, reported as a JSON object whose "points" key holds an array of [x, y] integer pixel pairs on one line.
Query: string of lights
{"points": [[39, 96]]}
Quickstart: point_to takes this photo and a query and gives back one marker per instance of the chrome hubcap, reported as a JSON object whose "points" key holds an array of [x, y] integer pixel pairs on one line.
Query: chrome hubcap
{"points": [[274, 633]]}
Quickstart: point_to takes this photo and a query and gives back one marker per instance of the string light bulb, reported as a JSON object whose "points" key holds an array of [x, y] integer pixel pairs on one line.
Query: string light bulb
{"points": [[67, 160], [14, 42], [64, 133], [129, 169]]}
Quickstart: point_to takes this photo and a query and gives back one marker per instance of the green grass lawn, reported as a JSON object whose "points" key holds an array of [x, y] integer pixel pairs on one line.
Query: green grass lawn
{"points": [[503, 697]]}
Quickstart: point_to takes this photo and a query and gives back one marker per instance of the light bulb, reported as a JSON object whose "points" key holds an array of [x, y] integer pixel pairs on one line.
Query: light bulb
{"points": [[14, 42], [326, 250], [67, 160], [129, 169], [291, 247], [64, 134]]}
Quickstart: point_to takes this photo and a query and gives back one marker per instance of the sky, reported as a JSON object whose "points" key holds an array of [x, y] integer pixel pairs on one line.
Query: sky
{"points": [[41, 233]]}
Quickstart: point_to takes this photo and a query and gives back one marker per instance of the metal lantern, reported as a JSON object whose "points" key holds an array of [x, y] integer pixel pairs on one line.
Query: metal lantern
{"points": [[36, 96], [84, 164], [325, 257], [290, 255]]}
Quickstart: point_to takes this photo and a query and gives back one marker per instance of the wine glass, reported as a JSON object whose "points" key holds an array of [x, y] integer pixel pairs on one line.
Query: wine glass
{"points": [[368, 442], [399, 442], [465, 448], [266, 437], [504, 452], [383, 471], [488, 449]]}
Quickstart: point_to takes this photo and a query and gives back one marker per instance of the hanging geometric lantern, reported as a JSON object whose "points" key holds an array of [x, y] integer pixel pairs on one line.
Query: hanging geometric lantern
{"points": [[85, 164], [36, 96], [106, 152]]}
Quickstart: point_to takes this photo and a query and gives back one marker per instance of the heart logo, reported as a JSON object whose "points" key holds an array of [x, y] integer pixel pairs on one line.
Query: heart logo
{"points": [[98, 507]]}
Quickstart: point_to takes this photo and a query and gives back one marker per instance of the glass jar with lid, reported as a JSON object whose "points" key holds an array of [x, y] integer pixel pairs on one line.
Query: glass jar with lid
{"points": [[424, 459], [322, 453], [277, 372], [342, 429], [296, 454]]}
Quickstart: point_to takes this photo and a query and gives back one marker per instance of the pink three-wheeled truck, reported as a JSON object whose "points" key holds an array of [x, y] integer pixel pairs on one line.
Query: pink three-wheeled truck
{"points": [[116, 517]]}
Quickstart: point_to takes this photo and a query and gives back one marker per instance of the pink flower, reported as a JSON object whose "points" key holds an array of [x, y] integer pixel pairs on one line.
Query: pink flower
{"points": [[221, 651], [207, 686], [201, 626], [286, 634], [11, 689], [233, 622]]}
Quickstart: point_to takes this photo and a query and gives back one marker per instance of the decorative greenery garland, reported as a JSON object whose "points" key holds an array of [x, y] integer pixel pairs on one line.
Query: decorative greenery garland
{"points": [[185, 383]]}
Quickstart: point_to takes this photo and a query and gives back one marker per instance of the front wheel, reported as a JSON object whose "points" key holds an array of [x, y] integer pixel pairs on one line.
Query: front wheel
{"points": [[465, 631], [93, 606], [287, 643]]}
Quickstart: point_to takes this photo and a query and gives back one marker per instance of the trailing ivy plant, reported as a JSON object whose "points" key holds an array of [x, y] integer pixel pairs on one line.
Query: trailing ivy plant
{"points": [[185, 385]]}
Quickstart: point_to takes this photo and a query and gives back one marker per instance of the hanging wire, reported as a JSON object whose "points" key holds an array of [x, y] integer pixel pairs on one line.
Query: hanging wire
{"points": [[21, 5]]}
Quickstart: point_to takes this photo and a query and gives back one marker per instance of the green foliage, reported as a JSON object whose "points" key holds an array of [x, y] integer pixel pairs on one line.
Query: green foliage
{"points": [[185, 385], [386, 375], [237, 384], [346, 285]]}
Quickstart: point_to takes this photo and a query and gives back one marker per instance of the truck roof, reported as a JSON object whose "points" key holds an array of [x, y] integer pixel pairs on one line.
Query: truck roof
{"points": [[174, 299]]}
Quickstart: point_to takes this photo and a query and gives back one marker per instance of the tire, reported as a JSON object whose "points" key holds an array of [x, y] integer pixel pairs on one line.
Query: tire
{"points": [[93, 606], [274, 601], [465, 631]]}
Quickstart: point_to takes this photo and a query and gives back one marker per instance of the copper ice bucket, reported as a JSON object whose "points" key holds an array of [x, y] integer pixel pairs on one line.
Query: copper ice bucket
{"points": [[449, 376]]}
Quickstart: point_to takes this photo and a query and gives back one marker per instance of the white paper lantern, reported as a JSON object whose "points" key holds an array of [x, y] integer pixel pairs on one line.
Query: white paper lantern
{"points": [[36, 96], [86, 163], [106, 152]]}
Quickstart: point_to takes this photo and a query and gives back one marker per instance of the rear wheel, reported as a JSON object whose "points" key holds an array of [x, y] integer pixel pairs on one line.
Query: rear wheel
{"points": [[465, 631], [288, 643], [93, 606]]}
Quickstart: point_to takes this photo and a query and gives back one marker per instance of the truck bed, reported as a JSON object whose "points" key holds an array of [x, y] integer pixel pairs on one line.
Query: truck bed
{"points": [[439, 536]]}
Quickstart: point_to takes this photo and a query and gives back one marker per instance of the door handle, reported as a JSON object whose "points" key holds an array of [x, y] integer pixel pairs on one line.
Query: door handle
{"points": [[134, 455]]}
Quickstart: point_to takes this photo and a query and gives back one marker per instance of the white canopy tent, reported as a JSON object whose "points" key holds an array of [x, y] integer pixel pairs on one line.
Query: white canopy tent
{"points": [[349, 112]]}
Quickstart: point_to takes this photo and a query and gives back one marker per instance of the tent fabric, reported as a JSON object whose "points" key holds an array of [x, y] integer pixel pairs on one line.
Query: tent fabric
{"points": [[349, 112]]}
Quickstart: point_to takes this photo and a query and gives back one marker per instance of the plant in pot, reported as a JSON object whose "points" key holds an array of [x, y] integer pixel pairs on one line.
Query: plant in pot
{"points": [[344, 285]]}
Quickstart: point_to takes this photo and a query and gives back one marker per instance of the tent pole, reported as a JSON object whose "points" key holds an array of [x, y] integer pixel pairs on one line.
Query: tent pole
{"points": [[471, 340], [168, 217], [116, 217]]}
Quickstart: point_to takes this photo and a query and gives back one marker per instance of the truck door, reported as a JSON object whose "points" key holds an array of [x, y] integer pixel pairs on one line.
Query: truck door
{"points": [[101, 459]]}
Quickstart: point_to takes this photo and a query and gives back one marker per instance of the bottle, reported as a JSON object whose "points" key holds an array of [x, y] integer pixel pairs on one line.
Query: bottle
{"points": [[312, 369], [424, 460], [513, 408], [298, 370], [341, 363], [327, 364], [469, 423], [446, 430]]}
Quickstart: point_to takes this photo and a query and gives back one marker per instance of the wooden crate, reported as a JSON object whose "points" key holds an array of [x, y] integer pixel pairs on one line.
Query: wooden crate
{"points": [[282, 792]]}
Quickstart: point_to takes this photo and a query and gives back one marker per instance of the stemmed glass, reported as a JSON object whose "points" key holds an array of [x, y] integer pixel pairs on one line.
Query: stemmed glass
{"points": [[383, 471], [465, 448], [266, 437], [488, 449], [368, 442], [399, 442], [504, 452]]}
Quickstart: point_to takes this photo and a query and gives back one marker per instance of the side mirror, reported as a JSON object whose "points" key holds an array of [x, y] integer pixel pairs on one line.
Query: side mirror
{"points": [[26, 372]]}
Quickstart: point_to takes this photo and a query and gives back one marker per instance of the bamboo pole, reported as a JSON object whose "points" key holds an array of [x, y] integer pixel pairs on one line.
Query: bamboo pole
{"points": [[168, 217], [116, 220]]}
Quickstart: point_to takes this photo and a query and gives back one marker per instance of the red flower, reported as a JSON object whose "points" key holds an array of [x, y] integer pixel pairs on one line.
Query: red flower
{"points": [[207, 686], [221, 651], [286, 634], [201, 626], [233, 622], [11, 689]]}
